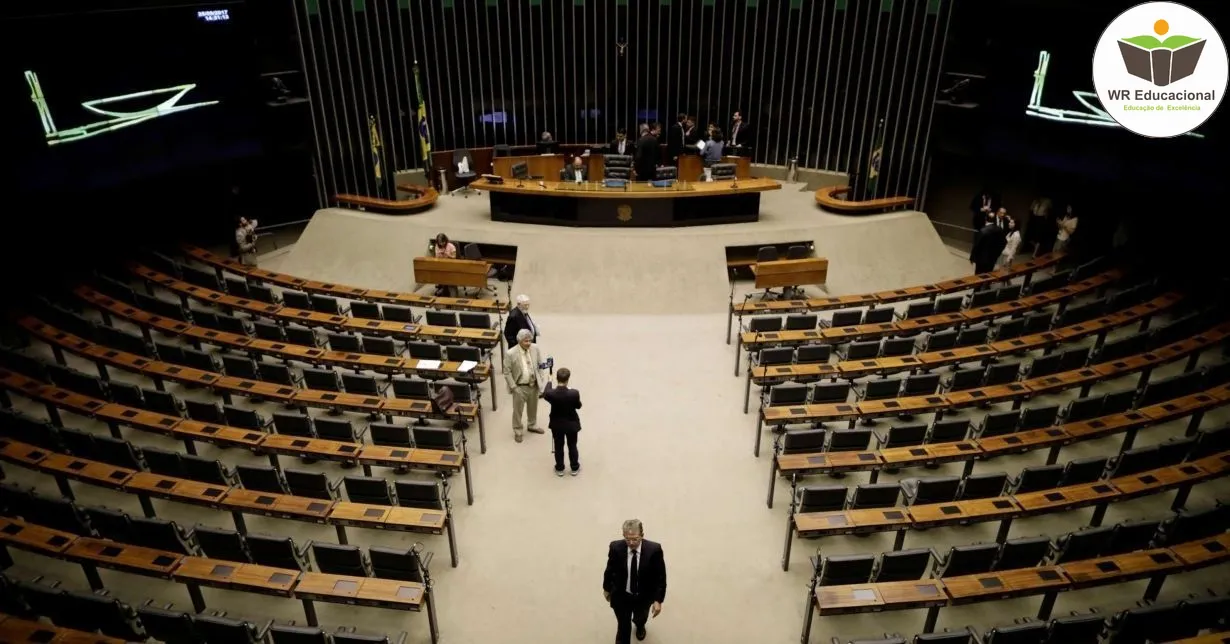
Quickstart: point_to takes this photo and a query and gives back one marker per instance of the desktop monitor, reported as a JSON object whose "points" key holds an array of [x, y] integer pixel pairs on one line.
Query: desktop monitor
{"points": [[548, 147], [521, 170]]}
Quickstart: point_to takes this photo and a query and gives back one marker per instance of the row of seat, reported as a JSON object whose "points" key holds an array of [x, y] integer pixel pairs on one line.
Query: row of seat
{"points": [[1023, 270], [253, 275], [1147, 622]]}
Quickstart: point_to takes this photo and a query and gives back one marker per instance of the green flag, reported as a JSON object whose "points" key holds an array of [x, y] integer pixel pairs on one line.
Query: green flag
{"points": [[424, 135], [873, 162]]}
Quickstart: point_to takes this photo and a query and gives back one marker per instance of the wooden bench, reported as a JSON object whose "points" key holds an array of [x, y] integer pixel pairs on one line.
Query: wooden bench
{"points": [[791, 272], [451, 272], [227, 386], [444, 462], [1005, 509], [830, 198], [252, 273], [956, 285], [969, 451], [196, 572], [766, 376], [483, 338], [933, 594], [238, 501], [756, 340], [423, 198], [1015, 392], [738, 257]]}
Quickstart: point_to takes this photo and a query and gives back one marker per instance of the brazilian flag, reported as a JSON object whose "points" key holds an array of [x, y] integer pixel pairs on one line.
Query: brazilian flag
{"points": [[424, 134], [874, 161]]}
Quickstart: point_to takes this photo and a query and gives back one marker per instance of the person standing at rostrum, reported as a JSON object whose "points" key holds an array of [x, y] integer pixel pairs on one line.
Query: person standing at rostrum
{"points": [[634, 581], [564, 422], [523, 367]]}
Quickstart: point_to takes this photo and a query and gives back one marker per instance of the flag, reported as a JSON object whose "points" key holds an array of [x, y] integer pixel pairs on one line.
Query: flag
{"points": [[874, 161], [374, 131], [424, 134]]}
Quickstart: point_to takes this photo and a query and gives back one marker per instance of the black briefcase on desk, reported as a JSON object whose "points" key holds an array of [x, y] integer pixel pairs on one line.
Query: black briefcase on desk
{"points": [[442, 401]]}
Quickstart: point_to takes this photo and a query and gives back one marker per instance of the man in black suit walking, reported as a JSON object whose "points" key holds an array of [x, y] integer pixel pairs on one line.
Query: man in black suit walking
{"points": [[564, 423], [648, 154], [634, 581]]}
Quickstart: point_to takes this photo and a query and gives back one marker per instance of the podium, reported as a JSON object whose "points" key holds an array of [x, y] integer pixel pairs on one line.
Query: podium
{"points": [[442, 271], [791, 272]]}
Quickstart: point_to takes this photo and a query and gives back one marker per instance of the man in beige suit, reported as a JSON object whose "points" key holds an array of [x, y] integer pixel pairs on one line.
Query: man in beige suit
{"points": [[523, 374]]}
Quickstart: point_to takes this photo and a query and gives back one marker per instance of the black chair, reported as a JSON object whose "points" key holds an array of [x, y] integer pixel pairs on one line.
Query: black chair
{"points": [[966, 560], [813, 353], [874, 495], [823, 498], [364, 489], [464, 178], [1024, 552], [803, 441], [934, 489], [983, 486], [366, 310], [1036, 478], [903, 565], [335, 559], [844, 570], [902, 436]]}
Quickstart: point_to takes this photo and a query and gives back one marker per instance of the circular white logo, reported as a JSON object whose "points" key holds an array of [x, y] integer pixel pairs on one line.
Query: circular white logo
{"points": [[1160, 69]]}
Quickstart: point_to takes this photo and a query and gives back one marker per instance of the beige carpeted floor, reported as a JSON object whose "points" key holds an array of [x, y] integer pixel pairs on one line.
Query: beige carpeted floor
{"points": [[638, 315]]}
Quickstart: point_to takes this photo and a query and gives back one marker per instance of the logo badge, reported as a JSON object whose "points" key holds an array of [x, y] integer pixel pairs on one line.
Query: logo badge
{"points": [[1160, 69], [623, 212]]}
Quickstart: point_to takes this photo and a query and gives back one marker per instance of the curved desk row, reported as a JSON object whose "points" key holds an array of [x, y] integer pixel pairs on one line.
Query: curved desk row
{"points": [[444, 462], [282, 280], [635, 205], [423, 198], [830, 198]]}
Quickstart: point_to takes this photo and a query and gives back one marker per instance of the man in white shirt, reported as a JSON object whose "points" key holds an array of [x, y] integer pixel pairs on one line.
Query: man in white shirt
{"points": [[523, 374], [634, 581]]}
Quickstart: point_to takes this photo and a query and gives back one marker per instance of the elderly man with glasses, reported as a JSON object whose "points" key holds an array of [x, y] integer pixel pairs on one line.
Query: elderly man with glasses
{"points": [[634, 582], [523, 373]]}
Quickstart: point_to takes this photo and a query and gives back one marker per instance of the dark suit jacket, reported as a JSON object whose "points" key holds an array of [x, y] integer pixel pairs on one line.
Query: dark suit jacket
{"points": [[566, 174], [629, 147], [514, 323], [565, 402], [744, 139], [988, 244], [674, 140], [651, 577], [647, 157]]}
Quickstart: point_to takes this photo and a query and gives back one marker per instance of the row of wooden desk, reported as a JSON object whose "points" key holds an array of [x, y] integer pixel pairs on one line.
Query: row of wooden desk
{"points": [[226, 386], [236, 500], [972, 450], [16, 630], [933, 594], [756, 340], [444, 462], [483, 338], [198, 572], [1005, 509], [254, 274], [1024, 269], [391, 365], [766, 376], [1016, 392]]}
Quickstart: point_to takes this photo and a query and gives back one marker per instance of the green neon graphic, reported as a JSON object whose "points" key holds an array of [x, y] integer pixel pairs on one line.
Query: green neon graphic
{"points": [[118, 120], [1095, 115]]}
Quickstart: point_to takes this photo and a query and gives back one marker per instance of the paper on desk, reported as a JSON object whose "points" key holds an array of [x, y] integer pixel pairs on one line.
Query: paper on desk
{"points": [[467, 366], [428, 364]]}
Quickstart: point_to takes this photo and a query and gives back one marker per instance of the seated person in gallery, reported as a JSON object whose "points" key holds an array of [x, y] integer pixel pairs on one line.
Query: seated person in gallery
{"points": [[576, 171]]}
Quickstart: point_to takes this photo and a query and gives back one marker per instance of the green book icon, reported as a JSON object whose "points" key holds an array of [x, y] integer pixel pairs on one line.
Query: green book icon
{"points": [[1161, 62]]}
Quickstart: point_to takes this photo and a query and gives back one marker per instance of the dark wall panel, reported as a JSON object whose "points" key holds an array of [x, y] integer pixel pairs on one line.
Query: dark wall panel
{"points": [[812, 77]]}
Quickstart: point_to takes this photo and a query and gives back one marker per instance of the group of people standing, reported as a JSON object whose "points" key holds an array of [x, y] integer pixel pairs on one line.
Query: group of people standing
{"points": [[682, 138], [998, 235], [634, 580]]}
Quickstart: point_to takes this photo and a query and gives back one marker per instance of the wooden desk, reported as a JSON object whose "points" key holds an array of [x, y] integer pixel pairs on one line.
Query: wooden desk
{"points": [[791, 272], [33, 538], [451, 272], [16, 629], [863, 598], [1216, 637], [232, 575], [635, 205], [831, 198], [423, 198], [1205, 552], [260, 275], [1119, 568]]}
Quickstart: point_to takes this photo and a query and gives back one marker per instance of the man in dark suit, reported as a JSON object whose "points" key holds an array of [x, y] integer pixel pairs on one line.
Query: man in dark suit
{"points": [[648, 154], [740, 139], [675, 136], [564, 423], [634, 581], [621, 144], [989, 242], [576, 171], [519, 318]]}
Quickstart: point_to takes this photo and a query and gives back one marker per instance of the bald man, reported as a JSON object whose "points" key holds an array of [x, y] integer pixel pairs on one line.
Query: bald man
{"points": [[576, 171]]}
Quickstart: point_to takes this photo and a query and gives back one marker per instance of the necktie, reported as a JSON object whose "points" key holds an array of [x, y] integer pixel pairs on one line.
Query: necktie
{"points": [[634, 574]]}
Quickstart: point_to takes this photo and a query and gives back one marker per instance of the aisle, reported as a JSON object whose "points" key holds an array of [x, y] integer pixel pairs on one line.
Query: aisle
{"points": [[663, 441]]}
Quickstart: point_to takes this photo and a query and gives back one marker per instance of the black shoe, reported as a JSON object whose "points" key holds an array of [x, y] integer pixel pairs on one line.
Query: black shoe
{"points": [[640, 632]]}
